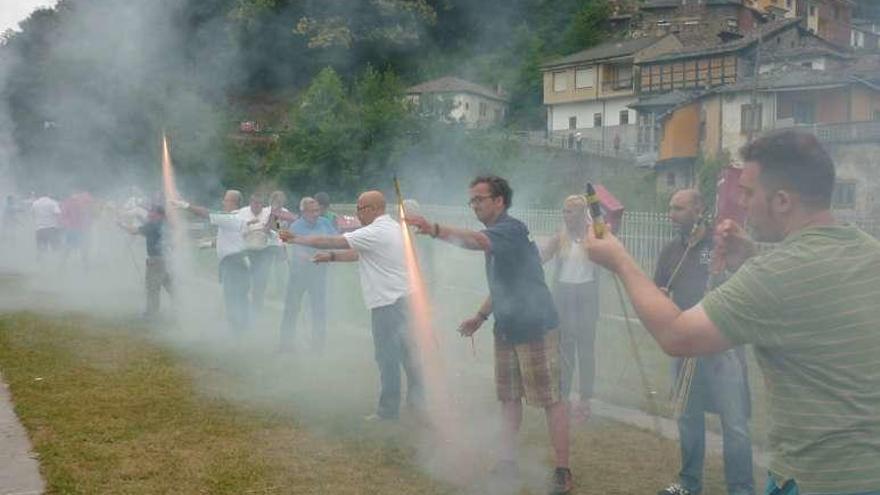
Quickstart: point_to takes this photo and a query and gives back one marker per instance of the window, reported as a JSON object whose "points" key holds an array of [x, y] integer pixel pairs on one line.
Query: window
{"points": [[750, 118], [804, 112], [584, 78], [483, 108], [812, 11], [808, 65], [670, 180], [597, 120], [622, 77], [844, 195], [572, 122], [876, 115], [560, 81], [624, 117], [467, 106], [788, 4]]}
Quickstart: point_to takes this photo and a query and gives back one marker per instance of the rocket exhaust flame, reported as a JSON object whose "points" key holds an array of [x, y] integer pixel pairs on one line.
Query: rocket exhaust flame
{"points": [[444, 419]]}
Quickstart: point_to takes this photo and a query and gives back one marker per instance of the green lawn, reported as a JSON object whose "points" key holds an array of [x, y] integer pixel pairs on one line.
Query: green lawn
{"points": [[111, 409]]}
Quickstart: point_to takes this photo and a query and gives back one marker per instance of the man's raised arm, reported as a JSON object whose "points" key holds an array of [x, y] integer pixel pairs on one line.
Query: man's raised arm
{"points": [[468, 239]]}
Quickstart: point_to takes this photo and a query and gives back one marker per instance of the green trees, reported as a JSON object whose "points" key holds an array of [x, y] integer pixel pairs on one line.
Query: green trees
{"points": [[91, 84]]}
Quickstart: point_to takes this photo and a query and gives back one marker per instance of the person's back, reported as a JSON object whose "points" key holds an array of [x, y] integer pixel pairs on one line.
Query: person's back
{"points": [[46, 212], [810, 307]]}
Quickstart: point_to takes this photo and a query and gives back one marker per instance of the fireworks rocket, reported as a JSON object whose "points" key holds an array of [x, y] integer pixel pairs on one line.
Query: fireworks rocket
{"points": [[399, 198], [595, 211]]}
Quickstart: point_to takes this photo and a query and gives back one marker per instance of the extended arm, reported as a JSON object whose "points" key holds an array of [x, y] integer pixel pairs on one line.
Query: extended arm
{"points": [[468, 239], [347, 255], [679, 333], [316, 241]]}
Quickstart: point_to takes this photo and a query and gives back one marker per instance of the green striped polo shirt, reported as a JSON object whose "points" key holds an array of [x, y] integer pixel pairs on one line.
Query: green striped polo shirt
{"points": [[811, 308]]}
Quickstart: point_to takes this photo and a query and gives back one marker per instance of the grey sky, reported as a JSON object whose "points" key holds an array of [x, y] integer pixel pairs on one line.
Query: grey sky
{"points": [[14, 11]]}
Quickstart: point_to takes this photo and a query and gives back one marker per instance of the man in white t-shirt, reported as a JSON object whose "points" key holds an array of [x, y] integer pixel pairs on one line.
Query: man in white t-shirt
{"points": [[378, 249], [47, 213], [234, 273], [258, 238]]}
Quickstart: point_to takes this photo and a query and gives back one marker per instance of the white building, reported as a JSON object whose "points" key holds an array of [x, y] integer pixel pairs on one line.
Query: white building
{"points": [[455, 100], [588, 93]]}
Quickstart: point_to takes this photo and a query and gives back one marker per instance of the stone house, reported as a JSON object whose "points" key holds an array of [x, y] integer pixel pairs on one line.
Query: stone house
{"points": [[456, 100]]}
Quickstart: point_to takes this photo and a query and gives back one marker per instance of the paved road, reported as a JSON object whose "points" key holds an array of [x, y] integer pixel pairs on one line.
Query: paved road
{"points": [[19, 469]]}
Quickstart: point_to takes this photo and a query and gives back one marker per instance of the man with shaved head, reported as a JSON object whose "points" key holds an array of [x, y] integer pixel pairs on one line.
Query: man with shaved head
{"points": [[234, 274], [719, 383], [378, 248]]}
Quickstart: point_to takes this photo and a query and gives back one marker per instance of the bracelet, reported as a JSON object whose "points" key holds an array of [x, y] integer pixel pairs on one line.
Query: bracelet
{"points": [[332, 256], [436, 232]]}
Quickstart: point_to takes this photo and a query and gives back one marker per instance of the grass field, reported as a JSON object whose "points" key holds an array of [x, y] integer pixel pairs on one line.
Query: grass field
{"points": [[115, 407], [111, 409]]}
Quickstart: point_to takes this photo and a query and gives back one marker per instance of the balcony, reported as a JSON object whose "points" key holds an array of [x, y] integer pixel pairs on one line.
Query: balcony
{"points": [[847, 132], [625, 84]]}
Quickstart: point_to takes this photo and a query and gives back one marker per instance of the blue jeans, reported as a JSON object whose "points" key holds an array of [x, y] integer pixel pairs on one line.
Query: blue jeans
{"points": [[791, 488], [719, 385], [261, 261], [312, 279], [235, 277], [394, 350]]}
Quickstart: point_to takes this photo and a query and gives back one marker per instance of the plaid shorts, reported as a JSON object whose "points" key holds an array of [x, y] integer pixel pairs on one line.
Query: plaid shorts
{"points": [[530, 370]]}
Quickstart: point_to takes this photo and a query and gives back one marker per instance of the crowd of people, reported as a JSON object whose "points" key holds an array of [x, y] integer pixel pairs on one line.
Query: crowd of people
{"points": [[807, 308]]}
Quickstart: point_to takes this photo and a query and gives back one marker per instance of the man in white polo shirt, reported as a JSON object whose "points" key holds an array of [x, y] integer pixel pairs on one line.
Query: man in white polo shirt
{"points": [[234, 273], [378, 249]]}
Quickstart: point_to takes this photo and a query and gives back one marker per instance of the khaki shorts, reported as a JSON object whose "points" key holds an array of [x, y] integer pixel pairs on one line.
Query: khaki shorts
{"points": [[530, 370]]}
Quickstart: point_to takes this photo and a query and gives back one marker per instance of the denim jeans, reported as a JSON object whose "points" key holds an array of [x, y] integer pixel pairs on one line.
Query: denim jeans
{"points": [[311, 278], [261, 261], [235, 277], [719, 385], [791, 488], [394, 349]]}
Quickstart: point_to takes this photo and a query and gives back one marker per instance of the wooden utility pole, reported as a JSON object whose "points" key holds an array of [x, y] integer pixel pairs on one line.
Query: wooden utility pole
{"points": [[754, 115]]}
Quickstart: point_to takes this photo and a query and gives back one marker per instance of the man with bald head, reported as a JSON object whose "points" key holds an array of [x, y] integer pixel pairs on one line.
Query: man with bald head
{"points": [[234, 273], [378, 248], [719, 384]]}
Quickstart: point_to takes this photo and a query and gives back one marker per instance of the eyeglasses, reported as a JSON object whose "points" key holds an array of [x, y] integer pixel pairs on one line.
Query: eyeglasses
{"points": [[364, 207], [478, 199]]}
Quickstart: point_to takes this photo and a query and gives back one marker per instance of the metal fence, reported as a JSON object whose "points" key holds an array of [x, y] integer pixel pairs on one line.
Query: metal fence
{"points": [[643, 232]]}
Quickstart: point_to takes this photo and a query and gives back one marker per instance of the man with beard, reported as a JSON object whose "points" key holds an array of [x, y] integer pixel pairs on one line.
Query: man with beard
{"points": [[527, 358], [808, 306], [719, 382]]}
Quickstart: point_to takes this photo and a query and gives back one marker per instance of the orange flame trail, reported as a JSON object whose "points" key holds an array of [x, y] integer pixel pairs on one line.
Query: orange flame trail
{"points": [[449, 446], [168, 184]]}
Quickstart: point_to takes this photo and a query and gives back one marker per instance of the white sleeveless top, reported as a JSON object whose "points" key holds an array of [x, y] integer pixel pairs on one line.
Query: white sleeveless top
{"points": [[575, 267]]}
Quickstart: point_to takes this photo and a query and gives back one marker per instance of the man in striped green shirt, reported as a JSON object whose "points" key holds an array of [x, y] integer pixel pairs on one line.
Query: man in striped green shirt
{"points": [[810, 307]]}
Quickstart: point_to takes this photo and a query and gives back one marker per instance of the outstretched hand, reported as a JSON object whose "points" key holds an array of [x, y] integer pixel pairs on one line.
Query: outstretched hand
{"points": [[322, 257], [286, 236], [420, 223], [733, 245], [470, 326], [607, 251]]}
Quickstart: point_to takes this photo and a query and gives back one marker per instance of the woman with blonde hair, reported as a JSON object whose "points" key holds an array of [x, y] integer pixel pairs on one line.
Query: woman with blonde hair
{"points": [[576, 293]]}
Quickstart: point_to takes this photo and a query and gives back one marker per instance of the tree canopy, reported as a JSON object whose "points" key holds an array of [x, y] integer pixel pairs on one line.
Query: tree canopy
{"points": [[90, 84]]}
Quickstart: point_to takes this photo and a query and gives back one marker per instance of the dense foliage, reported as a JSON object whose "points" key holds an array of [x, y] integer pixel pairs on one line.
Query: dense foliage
{"points": [[90, 85]]}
